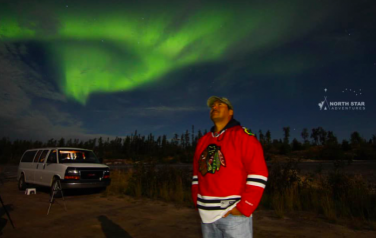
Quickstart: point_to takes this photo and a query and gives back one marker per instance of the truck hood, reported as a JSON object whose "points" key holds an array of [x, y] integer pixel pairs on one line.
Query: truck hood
{"points": [[84, 165]]}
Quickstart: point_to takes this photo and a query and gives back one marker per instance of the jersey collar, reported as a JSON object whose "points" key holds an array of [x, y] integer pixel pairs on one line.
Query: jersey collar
{"points": [[230, 124]]}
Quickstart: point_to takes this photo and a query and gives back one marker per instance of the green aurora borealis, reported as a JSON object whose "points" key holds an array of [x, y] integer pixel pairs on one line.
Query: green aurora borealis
{"points": [[118, 48]]}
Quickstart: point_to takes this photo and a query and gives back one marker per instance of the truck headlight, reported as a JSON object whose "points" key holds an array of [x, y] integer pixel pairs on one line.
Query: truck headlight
{"points": [[106, 174], [72, 171], [72, 174]]}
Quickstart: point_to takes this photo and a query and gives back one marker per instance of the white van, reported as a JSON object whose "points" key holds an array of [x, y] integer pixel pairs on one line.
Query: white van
{"points": [[74, 167]]}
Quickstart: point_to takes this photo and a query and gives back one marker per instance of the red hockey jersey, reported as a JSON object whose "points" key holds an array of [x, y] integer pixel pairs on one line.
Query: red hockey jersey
{"points": [[228, 170]]}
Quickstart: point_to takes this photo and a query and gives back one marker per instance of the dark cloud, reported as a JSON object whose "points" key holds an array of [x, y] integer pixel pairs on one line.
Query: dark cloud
{"points": [[20, 117], [16, 74]]}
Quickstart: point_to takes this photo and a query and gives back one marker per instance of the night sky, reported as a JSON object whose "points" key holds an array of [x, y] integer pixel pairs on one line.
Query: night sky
{"points": [[84, 69]]}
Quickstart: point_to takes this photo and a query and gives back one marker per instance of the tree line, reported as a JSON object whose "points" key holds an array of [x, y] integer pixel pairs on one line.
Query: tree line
{"points": [[315, 144]]}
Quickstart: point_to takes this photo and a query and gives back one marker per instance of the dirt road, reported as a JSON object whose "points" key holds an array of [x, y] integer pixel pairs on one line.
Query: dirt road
{"points": [[91, 215]]}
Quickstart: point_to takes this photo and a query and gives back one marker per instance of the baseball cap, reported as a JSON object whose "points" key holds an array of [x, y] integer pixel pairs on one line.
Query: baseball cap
{"points": [[212, 99]]}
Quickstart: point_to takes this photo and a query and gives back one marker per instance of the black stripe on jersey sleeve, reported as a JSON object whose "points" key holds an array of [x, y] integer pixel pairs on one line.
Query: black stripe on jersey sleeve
{"points": [[256, 180]]}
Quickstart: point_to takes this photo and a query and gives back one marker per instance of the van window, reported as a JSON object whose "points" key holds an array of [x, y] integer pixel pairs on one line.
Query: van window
{"points": [[43, 156], [77, 156], [52, 157], [28, 156], [36, 158]]}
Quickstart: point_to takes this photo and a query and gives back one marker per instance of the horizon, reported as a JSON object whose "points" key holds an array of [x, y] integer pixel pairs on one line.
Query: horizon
{"points": [[257, 134]]}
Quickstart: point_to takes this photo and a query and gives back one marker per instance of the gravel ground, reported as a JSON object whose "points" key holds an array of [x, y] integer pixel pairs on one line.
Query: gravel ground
{"points": [[91, 215]]}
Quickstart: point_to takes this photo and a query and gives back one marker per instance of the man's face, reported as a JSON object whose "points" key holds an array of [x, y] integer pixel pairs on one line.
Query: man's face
{"points": [[220, 112]]}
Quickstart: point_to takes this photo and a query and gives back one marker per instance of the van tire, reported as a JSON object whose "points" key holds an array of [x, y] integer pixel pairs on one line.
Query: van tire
{"points": [[54, 186], [22, 185]]}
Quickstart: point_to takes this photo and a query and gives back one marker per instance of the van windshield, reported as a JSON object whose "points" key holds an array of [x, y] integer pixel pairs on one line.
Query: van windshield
{"points": [[77, 156]]}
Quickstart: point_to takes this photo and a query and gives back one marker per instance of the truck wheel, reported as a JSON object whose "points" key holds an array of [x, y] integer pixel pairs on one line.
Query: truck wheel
{"points": [[22, 185], [55, 188]]}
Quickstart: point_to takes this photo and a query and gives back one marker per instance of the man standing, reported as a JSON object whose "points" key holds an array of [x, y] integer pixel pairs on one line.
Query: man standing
{"points": [[229, 174]]}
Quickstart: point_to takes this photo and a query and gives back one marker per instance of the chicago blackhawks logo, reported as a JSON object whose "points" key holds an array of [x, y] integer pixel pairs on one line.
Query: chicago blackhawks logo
{"points": [[211, 160]]}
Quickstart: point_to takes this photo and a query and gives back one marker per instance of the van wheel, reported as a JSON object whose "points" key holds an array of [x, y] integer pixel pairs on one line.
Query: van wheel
{"points": [[22, 185], [55, 188]]}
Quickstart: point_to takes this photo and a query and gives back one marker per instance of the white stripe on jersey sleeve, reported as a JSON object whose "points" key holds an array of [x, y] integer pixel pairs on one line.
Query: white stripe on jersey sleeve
{"points": [[256, 184]]}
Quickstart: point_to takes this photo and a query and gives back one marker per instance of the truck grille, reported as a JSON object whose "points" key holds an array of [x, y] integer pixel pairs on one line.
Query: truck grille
{"points": [[91, 174]]}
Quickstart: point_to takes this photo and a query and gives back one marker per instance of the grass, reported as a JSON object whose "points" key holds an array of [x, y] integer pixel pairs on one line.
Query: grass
{"points": [[335, 196], [167, 184]]}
